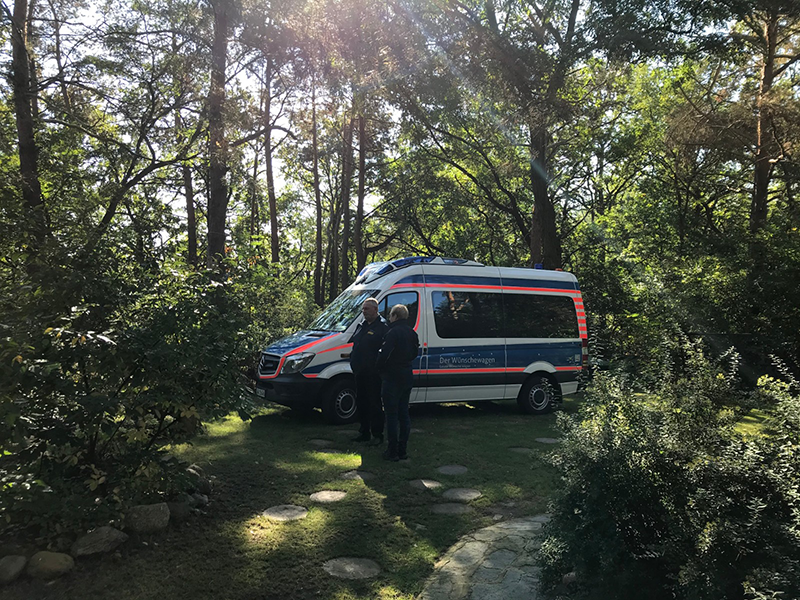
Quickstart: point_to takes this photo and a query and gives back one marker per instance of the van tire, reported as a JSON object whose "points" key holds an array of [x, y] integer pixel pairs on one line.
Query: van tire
{"points": [[538, 395], [339, 401]]}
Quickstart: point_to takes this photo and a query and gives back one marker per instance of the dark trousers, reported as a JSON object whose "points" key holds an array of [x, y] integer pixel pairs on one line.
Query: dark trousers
{"points": [[368, 402], [396, 394]]}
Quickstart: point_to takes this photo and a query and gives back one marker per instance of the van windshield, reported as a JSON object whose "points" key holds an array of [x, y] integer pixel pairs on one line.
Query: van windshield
{"points": [[340, 313]]}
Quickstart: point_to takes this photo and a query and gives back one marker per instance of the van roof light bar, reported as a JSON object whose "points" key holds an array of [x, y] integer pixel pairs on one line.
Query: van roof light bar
{"points": [[378, 269]]}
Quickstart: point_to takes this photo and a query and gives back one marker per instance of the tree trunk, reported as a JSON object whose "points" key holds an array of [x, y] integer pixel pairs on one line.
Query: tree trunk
{"points": [[765, 144], [218, 152], [358, 226], [254, 195], [545, 244], [188, 192], [23, 111], [347, 180], [318, 283], [273, 204]]}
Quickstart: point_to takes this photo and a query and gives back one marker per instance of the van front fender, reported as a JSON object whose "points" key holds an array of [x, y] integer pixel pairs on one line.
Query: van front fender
{"points": [[337, 368]]}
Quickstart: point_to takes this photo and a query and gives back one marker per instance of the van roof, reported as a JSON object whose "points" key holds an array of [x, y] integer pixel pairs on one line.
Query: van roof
{"points": [[376, 270]]}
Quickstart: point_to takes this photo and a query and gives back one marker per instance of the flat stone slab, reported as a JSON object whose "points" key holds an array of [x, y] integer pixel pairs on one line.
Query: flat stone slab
{"points": [[450, 508], [327, 496], [493, 563], [548, 440], [351, 568], [285, 512], [521, 450], [320, 443], [332, 451], [361, 475], [415, 430], [461, 494], [425, 484], [352, 432], [452, 470]]}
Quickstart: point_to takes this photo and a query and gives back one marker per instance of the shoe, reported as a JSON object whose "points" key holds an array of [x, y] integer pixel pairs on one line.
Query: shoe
{"points": [[390, 455], [377, 440], [362, 437], [401, 451]]}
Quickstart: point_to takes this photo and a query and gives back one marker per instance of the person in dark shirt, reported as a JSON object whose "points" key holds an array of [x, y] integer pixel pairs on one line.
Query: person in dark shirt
{"points": [[400, 348], [367, 342]]}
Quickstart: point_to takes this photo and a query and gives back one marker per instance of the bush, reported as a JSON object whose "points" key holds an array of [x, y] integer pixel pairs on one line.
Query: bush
{"points": [[662, 498], [102, 366]]}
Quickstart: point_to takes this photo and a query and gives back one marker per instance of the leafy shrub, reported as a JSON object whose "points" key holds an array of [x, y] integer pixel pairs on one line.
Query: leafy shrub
{"points": [[662, 498], [102, 366]]}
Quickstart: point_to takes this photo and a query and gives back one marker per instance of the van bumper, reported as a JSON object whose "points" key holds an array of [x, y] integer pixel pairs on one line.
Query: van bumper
{"points": [[294, 391]]}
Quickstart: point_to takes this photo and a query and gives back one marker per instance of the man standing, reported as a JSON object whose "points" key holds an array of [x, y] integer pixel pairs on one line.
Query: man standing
{"points": [[367, 342], [400, 348]]}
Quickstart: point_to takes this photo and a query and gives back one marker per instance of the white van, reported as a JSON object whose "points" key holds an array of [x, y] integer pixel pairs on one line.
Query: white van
{"points": [[486, 333]]}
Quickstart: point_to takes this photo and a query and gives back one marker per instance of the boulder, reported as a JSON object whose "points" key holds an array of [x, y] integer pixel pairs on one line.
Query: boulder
{"points": [[11, 567], [203, 486], [147, 518], [179, 511], [198, 500], [49, 565], [102, 539]]}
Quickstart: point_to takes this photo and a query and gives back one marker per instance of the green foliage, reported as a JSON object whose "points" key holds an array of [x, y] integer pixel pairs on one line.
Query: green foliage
{"points": [[104, 364], [663, 499]]}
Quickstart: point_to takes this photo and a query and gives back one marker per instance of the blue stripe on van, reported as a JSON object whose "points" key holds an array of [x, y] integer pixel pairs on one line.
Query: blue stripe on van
{"points": [[509, 282], [411, 279], [497, 282], [559, 354]]}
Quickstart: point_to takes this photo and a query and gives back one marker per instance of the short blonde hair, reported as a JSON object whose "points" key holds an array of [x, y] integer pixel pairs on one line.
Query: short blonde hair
{"points": [[370, 301], [400, 311]]}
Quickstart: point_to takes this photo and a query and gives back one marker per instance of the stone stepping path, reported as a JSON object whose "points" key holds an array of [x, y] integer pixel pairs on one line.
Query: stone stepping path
{"points": [[548, 440], [521, 450], [319, 443], [493, 563], [328, 496], [286, 512], [461, 494], [425, 484], [351, 568], [452, 470], [360, 475], [450, 508], [351, 432], [415, 430]]}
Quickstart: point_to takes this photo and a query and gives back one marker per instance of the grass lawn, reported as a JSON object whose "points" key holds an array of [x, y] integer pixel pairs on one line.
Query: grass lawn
{"points": [[232, 552]]}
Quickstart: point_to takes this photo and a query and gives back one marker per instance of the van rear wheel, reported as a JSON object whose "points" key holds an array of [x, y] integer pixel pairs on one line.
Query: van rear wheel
{"points": [[339, 402], [538, 395]]}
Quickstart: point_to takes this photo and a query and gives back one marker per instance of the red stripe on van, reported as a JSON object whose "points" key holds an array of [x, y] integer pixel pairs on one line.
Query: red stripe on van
{"points": [[454, 286], [295, 351], [568, 368], [336, 348], [457, 370]]}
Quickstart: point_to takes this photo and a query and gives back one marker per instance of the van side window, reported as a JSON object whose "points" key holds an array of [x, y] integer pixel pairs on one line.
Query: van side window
{"points": [[540, 316], [467, 314], [410, 299]]}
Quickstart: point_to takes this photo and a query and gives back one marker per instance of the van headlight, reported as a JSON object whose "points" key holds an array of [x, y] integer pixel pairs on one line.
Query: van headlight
{"points": [[297, 362]]}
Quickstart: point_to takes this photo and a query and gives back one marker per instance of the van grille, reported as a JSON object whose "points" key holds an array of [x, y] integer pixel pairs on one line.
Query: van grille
{"points": [[268, 364]]}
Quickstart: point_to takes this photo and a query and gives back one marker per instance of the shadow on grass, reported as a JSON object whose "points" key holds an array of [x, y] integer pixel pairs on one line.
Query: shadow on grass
{"points": [[231, 551]]}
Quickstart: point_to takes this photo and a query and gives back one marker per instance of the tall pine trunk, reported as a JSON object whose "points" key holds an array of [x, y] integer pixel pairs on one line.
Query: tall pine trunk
{"points": [[545, 244], [318, 283], [218, 151], [273, 204], [347, 180], [358, 225], [24, 97]]}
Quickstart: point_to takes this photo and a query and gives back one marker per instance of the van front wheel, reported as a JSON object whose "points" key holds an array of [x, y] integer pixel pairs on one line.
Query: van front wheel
{"points": [[339, 402], [537, 395]]}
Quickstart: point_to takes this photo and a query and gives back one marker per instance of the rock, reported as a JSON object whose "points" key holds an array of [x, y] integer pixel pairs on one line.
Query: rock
{"points": [[425, 484], [49, 565], [450, 508], [327, 496], [320, 443], [198, 500], [351, 568], [452, 470], [203, 486], [102, 539], [569, 578], [361, 475], [546, 440], [285, 512], [11, 567], [147, 518], [461, 494], [179, 511], [196, 470]]}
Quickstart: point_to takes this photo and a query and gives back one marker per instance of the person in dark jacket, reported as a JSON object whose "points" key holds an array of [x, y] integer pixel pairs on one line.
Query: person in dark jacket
{"points": [[400, 348], [367, 342]]}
